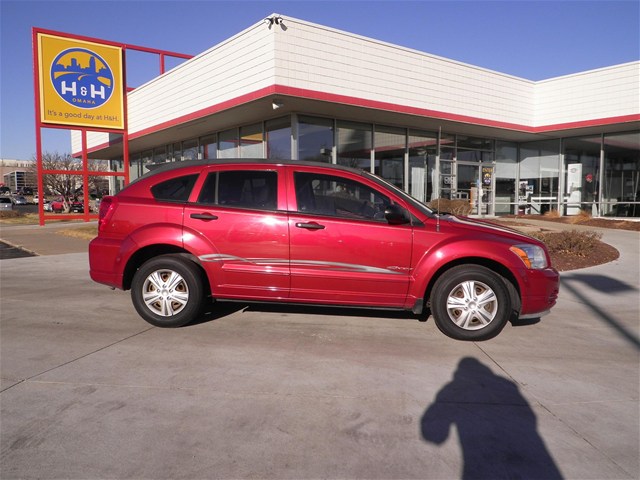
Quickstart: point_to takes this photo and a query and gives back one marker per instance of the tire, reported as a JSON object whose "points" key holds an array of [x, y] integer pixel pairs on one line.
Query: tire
{"points": [[470, 302], [167, 291]]}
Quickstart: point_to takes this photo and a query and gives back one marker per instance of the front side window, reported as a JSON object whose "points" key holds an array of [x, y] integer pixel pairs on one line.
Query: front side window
{"points": [[337, 196], [241, 189]]}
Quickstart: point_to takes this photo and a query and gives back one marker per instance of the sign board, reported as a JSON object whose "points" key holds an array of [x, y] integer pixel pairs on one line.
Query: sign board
{"points": [[80, 82]]}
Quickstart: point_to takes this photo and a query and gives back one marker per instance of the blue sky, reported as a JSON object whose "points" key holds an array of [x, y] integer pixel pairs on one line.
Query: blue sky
{"points": [[529, 39]]}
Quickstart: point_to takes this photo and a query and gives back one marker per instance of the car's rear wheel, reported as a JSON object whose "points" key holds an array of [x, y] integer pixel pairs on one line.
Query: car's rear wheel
{"points": [[167, 291], [470, 303]]}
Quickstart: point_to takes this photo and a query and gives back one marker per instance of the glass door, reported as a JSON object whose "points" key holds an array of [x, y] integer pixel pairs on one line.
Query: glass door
{"points": [[475, 184]]}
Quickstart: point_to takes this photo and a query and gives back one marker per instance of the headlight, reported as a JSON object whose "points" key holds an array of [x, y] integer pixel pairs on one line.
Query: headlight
{"points": [[532, 256]]}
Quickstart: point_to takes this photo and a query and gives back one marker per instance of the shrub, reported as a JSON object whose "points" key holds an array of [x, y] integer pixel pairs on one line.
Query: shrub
{"points": [[573, 242], [457, 207], [581, 217]]}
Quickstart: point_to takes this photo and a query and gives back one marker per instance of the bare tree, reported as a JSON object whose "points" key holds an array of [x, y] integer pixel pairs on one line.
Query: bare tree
{"points": [[65, 175]]}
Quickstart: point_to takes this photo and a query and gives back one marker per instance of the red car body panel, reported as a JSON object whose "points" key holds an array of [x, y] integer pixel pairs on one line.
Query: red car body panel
{"points": [[284, 254]]}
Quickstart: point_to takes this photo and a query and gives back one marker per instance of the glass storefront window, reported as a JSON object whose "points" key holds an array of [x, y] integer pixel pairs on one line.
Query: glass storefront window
{"points": [[278, 138], [473, 149], [315, 139], [621, 178], [389, 144], [146, 159], [446, 178], [354, 145], [228, 143], [581, 172], [176, 152], [209, 146], [190, 150], [505, 178], [423, 148], [251, 141], [447, 147], [538, 187], [160, 154]]}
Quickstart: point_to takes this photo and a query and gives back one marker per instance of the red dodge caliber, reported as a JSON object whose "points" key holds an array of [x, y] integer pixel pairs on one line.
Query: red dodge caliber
{"points": [[189, 233]]}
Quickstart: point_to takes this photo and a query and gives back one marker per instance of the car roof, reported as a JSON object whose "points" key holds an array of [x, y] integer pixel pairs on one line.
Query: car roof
{"points": [[157, 168]]}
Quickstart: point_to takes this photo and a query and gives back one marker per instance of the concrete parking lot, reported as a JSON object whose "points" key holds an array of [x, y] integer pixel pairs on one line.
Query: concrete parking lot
{"points": [[89, 390]]}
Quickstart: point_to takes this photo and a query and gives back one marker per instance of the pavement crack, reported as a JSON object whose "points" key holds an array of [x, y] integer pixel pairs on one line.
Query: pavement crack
{"points": [[19, 382]]}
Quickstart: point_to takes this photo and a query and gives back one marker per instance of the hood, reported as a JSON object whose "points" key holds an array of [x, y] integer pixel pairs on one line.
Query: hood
{"points": [[484, 226]]}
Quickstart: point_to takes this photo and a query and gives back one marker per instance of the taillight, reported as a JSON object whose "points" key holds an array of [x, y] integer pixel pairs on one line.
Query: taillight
{"points": [[107, 206]]}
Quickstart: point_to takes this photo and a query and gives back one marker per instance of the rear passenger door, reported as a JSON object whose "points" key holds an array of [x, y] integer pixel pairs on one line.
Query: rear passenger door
{"points": [[343, 251], [242, 232]]}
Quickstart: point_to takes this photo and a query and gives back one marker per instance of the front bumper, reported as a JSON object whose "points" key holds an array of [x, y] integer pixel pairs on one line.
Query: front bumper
{"points": [[539, 292]]}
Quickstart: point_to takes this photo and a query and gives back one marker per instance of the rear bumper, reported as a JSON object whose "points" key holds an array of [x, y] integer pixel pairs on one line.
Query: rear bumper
{"points": [[105, 262]]}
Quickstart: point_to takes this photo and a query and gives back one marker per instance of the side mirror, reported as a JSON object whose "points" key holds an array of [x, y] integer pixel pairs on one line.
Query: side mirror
{"points": [[396, 215]]}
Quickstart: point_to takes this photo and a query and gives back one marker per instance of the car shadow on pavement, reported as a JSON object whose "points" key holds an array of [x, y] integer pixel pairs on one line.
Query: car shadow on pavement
{"points": [[221, 309], [496, 426], [579, 285]]}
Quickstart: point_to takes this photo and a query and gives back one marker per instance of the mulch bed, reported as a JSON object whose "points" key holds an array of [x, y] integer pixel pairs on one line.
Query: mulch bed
{"points": [[602, 253]]}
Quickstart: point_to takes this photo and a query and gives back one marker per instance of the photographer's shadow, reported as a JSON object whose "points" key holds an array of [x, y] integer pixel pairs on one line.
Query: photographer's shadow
{"points": [[495, 424]]}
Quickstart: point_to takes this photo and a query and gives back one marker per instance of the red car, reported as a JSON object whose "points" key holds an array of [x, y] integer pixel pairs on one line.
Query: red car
{"points": [[311, 233], [58, 205]]}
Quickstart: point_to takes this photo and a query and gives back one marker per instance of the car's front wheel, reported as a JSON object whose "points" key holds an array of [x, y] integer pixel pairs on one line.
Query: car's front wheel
{"points": [[167, 291], [470, 302]]}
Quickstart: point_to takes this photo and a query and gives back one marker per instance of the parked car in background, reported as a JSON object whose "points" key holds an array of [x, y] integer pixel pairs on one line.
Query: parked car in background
{"points": [[5, 203], [76, 207], [20, 200], [193, 232], [47, 206], [58, 205]]}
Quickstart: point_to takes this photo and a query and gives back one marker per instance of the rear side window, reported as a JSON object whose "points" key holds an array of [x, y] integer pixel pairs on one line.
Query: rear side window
{"points": [[241, 189], [175, 189]]}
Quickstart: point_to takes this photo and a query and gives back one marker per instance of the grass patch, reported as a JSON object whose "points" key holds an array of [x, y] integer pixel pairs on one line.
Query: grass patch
{"points": [[15, 217], [86, 233]]}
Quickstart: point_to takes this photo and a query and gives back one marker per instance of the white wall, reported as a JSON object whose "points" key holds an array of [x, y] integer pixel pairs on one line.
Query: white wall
{"points": [[326, 60], [596, 94]]}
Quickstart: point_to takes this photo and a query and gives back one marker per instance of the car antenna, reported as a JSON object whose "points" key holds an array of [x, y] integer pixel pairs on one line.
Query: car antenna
{"points": [[439, 183]]}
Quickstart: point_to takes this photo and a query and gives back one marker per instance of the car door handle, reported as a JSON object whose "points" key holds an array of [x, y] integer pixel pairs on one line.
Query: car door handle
{"points": [[310, 226], [204, 216]]}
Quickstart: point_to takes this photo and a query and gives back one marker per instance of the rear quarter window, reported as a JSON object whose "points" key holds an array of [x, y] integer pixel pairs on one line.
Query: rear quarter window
{"points": [[175, 189], [241, 189]]}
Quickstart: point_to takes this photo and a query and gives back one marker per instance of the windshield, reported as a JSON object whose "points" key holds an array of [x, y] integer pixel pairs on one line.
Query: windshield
{"points": [[401, 193]]}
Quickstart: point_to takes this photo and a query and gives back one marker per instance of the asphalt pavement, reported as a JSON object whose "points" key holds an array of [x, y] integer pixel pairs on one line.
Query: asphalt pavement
{"points": [[89, 390]]}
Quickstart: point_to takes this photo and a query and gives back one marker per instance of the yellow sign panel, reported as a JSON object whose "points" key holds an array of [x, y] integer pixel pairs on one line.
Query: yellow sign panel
{"points": [[81, 83]]}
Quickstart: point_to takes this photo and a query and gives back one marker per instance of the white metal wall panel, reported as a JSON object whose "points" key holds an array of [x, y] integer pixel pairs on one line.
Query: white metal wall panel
{"points": [[237, 67], [319, 58], [240, 65], [603, 93]]}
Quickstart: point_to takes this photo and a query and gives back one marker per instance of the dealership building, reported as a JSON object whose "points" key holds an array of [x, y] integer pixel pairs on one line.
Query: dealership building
{"points": [[435, 127]]}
